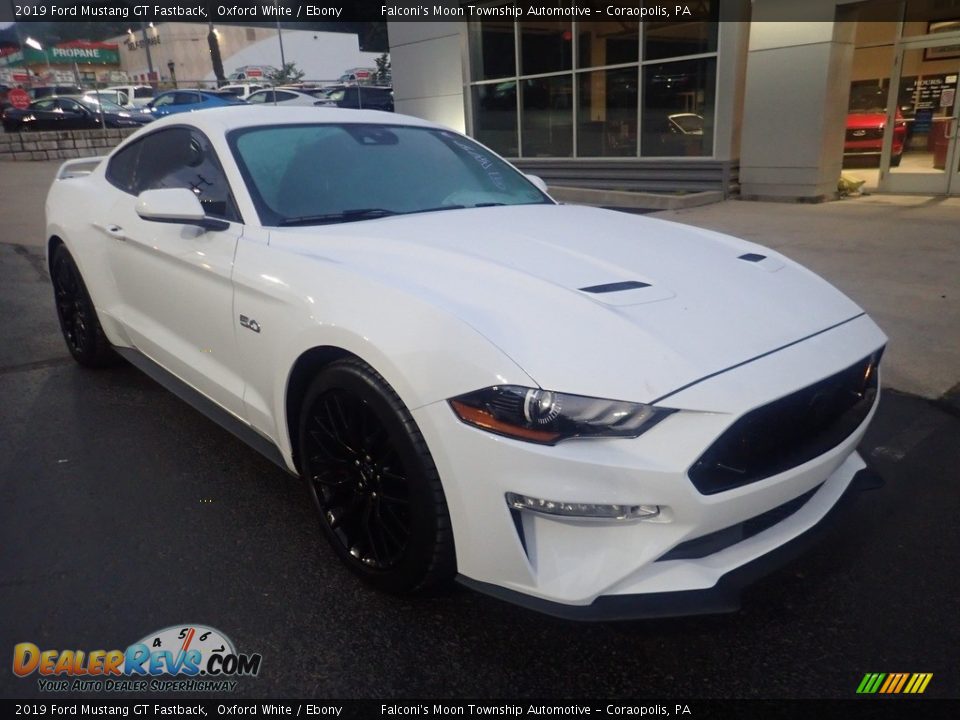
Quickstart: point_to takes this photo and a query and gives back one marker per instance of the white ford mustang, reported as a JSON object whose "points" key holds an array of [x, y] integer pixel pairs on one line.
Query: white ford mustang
{"points": [[591, 413]]}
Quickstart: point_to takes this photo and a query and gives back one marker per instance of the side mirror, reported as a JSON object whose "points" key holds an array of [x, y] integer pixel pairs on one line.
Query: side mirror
{"points": [[178, 206], [538, 182]]}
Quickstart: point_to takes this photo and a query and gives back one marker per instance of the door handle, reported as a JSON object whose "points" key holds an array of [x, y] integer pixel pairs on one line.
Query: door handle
{"points": [[116, 232]]}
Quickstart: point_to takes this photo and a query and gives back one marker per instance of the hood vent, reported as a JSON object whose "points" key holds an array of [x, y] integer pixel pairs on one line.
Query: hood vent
{"points": [[752, 257], [616, 287]]}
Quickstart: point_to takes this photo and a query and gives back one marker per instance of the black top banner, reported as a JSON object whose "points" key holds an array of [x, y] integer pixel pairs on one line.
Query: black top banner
{"points": [[293, 11], [288, 11], [896, 709]]}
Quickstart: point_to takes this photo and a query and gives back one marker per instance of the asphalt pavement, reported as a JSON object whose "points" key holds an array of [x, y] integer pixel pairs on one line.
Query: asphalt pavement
{"points": [[124, 511]]}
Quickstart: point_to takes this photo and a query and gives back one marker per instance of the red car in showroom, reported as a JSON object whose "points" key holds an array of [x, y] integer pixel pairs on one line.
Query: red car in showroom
{"points": [[865, 123]]}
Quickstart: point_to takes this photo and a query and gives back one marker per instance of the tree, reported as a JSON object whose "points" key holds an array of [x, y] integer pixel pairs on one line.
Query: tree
{"points": [[383, 75], [286, 75]]}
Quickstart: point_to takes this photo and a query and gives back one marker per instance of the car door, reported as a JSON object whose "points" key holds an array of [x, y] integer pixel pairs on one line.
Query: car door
{"points": [[45, 115], [75, 116], [174, 281]]}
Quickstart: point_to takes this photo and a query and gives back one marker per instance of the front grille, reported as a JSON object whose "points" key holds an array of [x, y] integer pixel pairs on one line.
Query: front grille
{"points": [[790, 431], [865, 134], [707, 545]]}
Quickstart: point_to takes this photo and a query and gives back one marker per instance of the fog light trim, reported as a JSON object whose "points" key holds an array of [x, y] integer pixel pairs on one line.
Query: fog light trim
{"points": [[593, 511]]}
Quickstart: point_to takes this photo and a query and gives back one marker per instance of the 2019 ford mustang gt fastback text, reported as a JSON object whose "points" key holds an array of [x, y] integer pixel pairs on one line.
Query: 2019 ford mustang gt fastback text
{"points": [[592, 413]]}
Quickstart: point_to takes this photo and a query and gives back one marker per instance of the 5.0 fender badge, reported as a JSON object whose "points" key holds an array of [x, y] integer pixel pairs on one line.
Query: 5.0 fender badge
{"points": [[249, 323]]}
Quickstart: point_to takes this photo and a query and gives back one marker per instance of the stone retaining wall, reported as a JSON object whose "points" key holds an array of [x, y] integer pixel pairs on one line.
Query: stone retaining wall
{"points": [[59, 144]]}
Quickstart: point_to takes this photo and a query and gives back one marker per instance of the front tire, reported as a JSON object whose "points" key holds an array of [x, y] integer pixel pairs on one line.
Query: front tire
{"points": [[78, 318], [373, 481]]}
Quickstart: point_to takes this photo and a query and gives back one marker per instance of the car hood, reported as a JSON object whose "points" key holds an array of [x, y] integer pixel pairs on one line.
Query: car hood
{"points": [[668, 304]]}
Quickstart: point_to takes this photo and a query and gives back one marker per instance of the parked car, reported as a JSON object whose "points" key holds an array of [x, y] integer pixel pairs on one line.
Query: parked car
{"points": [[287, 96], [137, 95], [117, 97], [865, 124], [241, 91], [591, 413], [71, 113], [178, 101], [359, 97], [42, 91], [255, 73]]}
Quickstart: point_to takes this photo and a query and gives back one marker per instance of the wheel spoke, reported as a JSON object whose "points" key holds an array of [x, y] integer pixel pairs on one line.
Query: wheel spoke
{"points": [[359, 479]]}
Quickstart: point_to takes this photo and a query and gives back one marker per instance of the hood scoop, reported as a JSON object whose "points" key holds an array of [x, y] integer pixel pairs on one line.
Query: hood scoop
{"points": [[767, 263], [626, 292], [616, 287]]}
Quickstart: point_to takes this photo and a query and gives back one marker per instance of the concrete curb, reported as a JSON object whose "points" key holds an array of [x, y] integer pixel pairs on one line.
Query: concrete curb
{"points": [[634, 200]]}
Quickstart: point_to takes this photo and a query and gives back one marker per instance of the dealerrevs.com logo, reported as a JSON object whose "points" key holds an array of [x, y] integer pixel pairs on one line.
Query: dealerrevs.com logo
{"points": [[180, 658]]}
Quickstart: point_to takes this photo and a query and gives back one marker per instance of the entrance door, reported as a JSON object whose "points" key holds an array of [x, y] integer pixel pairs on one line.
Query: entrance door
{"points": [[920, 153]]}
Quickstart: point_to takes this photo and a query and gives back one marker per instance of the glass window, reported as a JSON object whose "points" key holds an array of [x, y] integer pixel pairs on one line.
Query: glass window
{"points": [[183, 158], [47, 104], [186, 98], [676, 39], [492, 52], [163, 100], [258, 98], [323, 173], [678, 105], [607, 43], [495, 116], [285, 96], [143, 92], [607, 114], [122, 167], [545, 46], [547, 116]]}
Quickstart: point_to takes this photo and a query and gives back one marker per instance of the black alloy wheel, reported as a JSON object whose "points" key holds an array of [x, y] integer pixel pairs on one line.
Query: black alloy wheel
{"points": [[78, 318], [373, 481]]}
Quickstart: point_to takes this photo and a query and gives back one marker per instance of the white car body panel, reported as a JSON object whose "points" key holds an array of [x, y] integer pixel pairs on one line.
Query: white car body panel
{"points": [[445, 303]]}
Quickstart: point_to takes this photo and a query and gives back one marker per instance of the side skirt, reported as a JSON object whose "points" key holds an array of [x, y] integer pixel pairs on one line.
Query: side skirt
{"points": [[200, 402]]}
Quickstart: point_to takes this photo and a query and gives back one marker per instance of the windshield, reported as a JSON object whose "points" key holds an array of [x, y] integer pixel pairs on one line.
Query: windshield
{"points": [[108, 106], [868, 100], [316, 174]]}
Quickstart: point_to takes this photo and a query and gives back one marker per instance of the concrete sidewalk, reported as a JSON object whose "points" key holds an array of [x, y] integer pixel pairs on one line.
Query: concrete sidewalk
{"points": [[897, 256]]}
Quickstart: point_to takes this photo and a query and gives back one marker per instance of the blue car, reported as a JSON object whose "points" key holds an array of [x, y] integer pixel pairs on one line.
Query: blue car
{"points": [[176, 101]]}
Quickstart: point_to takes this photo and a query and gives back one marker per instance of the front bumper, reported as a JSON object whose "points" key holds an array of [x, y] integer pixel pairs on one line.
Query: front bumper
{"points": [[723, 597], [605, 568]]}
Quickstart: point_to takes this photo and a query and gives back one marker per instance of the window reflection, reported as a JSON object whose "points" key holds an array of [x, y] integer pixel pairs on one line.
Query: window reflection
{"points": [[676, 39], [607, 113], [678, 104], [547, 117], [545, 46], [491, 49], [495, 116], [607, 43]]}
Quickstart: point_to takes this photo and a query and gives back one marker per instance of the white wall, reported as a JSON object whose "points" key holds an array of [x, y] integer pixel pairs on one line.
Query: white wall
{"points": [[794, 121], [427, 66]]}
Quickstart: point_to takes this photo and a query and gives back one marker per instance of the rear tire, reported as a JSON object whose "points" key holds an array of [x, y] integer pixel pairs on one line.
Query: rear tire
{"points": [[373, 481], [78, 318]]}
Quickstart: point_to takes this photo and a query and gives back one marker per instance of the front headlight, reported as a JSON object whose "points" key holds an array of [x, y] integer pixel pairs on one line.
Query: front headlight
{"points": [[546, 417]]}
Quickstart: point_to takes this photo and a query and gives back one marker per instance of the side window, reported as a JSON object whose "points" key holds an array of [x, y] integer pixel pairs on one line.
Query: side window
{"points": [[48, 104], [284, 96], [183, 158], [163, 100], [185, 98], [71, 106], [143, 92], [122, 168]]}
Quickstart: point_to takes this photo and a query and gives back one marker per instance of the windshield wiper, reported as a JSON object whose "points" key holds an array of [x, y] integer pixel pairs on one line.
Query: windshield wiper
{"points": [[339, 217]]}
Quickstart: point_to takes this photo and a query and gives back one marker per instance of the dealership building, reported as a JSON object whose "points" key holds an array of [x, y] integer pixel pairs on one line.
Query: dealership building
{"points": [[770, 99]]}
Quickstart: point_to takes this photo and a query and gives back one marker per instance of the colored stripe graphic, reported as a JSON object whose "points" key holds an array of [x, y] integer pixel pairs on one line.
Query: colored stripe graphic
{"points": [[894, 683]]}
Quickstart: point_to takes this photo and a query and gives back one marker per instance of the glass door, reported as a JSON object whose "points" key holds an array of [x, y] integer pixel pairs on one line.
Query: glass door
{"points": [[920, 152]]}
